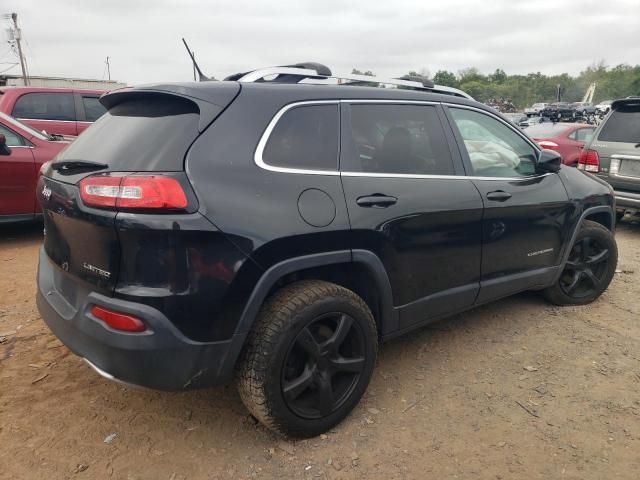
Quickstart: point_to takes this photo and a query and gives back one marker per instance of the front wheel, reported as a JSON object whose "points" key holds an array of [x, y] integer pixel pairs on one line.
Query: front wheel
{"points": [[589, 269], [308, 359]]}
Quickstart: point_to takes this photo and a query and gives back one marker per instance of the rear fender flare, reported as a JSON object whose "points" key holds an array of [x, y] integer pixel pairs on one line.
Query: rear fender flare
{"points": [[388, 320], [567, 249]]}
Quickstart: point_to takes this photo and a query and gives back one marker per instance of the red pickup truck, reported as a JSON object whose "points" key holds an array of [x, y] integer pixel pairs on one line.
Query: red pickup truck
{"points": [[60, 111]]}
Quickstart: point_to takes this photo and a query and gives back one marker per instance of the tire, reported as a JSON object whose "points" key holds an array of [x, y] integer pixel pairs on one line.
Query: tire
{"points": [[589, 268], [307, 339]]}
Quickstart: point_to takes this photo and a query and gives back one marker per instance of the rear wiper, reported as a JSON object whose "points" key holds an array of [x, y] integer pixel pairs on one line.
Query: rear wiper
{"points": [[65, 166]]}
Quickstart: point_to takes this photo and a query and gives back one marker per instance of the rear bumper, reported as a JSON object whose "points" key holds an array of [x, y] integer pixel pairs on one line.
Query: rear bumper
{"points": [[161, 357], [627, 200]]}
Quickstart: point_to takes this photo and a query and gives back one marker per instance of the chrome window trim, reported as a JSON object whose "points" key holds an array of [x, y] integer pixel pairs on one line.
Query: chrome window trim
{"points": [[45, 120], [272, 123], [257, 157]]}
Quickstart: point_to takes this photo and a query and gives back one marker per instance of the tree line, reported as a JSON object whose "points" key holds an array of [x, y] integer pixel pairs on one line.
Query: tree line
{"points": [[523, 90]]}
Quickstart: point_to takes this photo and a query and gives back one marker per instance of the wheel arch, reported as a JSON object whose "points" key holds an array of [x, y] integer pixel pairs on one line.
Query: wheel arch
{"points": [[603, 214], [359, 270]]}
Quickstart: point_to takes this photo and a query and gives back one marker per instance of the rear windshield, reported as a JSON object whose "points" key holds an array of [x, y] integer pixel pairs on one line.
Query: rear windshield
{"points": [[544, 130], [623, 125], [150, 133]]}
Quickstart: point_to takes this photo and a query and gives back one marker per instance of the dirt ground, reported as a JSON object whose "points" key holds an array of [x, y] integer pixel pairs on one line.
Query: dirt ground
{"points": [[517, 389]]}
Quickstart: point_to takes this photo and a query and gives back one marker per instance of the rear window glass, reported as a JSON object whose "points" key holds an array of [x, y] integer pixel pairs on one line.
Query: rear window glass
{"points": [[45, 106], [305, 138], [544, 130], [152, 132], [623, 125], [93, 109], [397, 139]]}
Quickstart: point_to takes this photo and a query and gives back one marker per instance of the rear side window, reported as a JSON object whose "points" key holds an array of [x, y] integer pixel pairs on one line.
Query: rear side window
{"points": [[93, 109], [397, 139], [582, 134], [306, 138], [146, 133], [623, 125], [45, 106]]}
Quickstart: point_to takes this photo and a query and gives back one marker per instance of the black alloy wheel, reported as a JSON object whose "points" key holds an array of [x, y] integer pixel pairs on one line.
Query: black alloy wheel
{"points": [[585, 269], [323, 365]]}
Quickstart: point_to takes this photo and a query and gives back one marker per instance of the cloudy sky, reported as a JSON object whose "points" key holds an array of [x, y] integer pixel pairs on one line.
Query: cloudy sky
{"points": [[142, 37]]}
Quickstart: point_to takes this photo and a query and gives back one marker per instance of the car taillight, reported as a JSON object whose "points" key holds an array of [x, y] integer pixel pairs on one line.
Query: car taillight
{"points": [[118, 320], [548, 144], [132, 191], [589, 161]]}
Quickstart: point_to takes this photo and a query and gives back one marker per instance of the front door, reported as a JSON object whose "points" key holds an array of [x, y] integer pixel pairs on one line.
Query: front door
{"points": [[526, 216], [410, 204], [17, 176]]}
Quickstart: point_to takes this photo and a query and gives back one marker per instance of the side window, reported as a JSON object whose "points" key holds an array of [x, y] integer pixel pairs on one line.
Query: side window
{"points": [[401, 139], [45, 106], [93, 109], [306, 138], [13, 139], [582, 134], [494, 149]]}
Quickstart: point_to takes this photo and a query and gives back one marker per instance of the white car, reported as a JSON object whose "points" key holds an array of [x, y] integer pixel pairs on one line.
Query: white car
{"points": [[534, 109], [604, 106]]}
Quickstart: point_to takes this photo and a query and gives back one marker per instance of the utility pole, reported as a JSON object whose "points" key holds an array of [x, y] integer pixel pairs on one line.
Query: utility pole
{"points": [[108, 69], [17, 36]]}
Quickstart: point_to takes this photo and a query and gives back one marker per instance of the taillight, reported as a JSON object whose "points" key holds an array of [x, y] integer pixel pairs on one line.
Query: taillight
{"points": [[589, 161], [548, 144], [118, 320], [133, 191]]}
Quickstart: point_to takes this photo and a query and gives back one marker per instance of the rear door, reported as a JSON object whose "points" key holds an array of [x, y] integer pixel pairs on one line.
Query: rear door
{"points": [[526, 214], [17, 176], [410, 204], [53, 112]]}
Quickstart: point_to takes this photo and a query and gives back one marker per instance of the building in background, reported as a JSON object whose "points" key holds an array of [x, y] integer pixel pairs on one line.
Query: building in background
{"points": [[60, 82]]}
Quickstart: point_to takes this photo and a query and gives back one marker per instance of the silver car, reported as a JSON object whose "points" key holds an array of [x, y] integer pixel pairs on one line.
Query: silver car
{"points": [[613, 154]]}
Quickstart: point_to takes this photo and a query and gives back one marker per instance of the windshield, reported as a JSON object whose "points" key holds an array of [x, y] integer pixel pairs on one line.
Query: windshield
{"points": [[23, 126]]}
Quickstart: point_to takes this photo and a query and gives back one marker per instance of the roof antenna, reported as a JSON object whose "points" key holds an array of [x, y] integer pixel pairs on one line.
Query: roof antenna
{"points": [[201, 76]]}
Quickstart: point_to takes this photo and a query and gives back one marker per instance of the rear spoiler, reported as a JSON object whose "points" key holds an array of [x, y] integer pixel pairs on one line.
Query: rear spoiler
{"points": [[625, 102], [211, 101]]}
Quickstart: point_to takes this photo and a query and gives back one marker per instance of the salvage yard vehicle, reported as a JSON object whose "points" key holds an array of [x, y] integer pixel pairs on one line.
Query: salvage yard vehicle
{"points": [[59, 111], [276, 232], [535, 109], [613, 154], [567, 139], [23, 150], [557, 111]]}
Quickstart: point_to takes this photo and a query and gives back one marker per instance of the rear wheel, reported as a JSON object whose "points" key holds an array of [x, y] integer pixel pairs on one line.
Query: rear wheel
{"points": [[308, 359], [589, 269]]}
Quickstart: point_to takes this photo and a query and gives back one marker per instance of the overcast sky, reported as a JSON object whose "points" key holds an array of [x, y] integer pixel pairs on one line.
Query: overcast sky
{"points": [[142, 37]]}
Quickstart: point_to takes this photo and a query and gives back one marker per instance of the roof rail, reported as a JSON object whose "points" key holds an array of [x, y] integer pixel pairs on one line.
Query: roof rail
{"points": [[315, 73]]}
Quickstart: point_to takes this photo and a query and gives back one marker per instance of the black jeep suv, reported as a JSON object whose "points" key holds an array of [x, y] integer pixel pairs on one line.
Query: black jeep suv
{"points": [[277, 231]]}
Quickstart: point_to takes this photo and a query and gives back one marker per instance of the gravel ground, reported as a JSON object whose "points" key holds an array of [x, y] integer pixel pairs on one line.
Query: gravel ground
{"points": [[515, 389]]}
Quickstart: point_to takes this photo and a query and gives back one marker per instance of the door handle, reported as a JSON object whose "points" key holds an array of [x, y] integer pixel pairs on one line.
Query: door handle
{"points": [[498, 196], [377, 200]]}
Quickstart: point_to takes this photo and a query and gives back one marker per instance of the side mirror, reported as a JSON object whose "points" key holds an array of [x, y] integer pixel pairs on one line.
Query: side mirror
{"points": [[549, 161], [4, 149]]}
